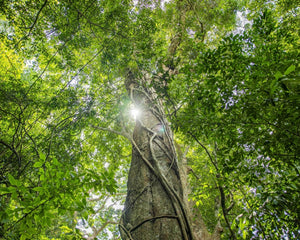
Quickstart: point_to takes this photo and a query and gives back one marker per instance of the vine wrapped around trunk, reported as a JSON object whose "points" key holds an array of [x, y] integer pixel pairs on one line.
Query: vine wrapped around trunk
{"points": [[155, 207]]}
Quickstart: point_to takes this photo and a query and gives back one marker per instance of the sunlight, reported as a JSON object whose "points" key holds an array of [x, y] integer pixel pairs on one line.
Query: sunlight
{"points": [[134, 112]]}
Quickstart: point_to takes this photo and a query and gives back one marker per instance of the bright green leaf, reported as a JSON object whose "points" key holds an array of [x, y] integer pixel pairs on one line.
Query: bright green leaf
{"points": [[290, 69], [38, 164], [14, 181], [43, 157], [278, 75]]}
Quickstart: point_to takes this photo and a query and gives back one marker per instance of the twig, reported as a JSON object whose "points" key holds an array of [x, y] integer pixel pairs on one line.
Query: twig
{"points": [[97, 231], [13, 150], [26, 214], [34, 23], [206, 150], [224, 209]]}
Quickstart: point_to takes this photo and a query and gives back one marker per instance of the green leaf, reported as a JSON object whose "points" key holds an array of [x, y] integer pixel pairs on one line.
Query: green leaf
{"points": [[290, 69], [23, 237], [48, 165], [38, 164], [42, 177], [5, 190], [36, 218], [38, 189], [55, 162], [14, 181], [42, 157], [244, 234], [278, 75]]}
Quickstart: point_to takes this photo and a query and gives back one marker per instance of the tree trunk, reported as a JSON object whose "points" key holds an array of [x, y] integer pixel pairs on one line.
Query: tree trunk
{"points": [[156, 205]]}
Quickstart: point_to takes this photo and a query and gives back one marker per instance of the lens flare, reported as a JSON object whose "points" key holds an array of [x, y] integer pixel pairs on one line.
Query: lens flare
{"points": [[135, 112]]}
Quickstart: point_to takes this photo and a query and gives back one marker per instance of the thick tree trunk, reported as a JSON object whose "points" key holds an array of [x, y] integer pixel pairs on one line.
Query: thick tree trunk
{"points": [[155, 206]]}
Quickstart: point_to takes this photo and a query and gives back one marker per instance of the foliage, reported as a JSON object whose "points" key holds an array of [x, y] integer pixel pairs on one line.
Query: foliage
{"points": [[244, 107], [233, 98], [51, 157]]}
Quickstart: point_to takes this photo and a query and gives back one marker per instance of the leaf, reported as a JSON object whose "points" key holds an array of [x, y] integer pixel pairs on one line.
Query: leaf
{"points": [[36, 218], [65, 229], [42, 177], [290, 69], [23, 237], [5, 190], [48, 165], [278, 75], [38, 164], [14, 181], [42, 157], [244, 234], [55, 162], [38, 189]]}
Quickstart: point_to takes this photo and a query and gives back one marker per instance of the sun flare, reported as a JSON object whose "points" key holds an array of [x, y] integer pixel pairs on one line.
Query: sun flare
{"points": [[135, 112]]}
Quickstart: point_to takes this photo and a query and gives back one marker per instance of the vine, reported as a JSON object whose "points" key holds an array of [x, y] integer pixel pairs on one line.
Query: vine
{"points": [[148, 99]]}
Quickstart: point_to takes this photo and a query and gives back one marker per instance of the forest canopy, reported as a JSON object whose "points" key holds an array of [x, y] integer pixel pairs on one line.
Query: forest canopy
{"points": [[226, 73]]}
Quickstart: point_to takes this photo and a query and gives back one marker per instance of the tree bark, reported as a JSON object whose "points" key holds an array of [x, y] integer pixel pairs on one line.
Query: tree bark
{"points": [[155, 206]]}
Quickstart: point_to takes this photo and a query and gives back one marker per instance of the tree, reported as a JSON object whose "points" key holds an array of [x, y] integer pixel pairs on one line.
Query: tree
{"points": [[218, 122], [155, 204]]}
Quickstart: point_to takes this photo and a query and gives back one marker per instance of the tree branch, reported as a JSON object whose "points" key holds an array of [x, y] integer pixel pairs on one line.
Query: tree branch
{"points": [[97, 231], [224, 210], [26, 214], [37, 17], [12, 149], [206, 150], [34, 22]]}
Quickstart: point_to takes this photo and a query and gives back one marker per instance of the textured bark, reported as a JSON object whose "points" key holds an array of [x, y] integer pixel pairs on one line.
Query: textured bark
{"points": [[155, 207]]}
